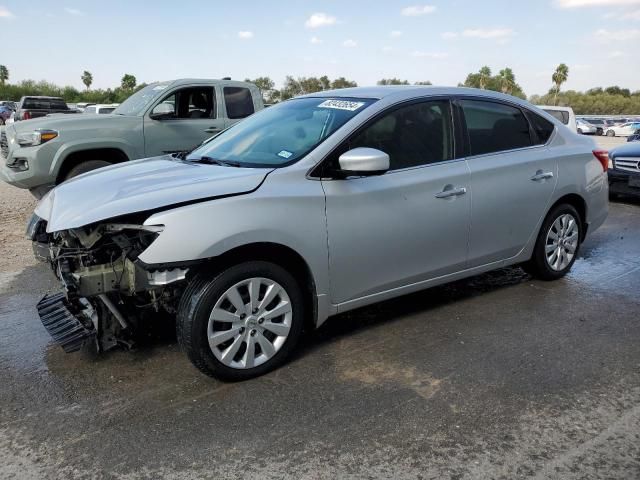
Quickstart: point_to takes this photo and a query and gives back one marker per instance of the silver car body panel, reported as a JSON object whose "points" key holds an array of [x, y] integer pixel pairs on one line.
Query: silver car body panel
{"points": [[364, 239]]}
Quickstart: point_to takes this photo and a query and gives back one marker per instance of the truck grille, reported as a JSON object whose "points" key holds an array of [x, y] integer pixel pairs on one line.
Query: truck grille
{"points": [[4, 146], [628, 164]]}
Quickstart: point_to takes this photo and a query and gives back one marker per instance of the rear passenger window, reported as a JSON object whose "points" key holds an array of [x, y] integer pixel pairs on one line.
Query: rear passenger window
{"points": [[238, 101], [542, 126], [414, 135], [494, 127]]}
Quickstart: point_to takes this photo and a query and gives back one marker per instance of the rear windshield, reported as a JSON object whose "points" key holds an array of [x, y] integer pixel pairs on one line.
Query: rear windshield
{"points": [[44, 104]]}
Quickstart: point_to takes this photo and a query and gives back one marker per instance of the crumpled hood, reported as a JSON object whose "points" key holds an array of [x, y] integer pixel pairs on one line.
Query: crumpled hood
{"points": [[139, 186]]}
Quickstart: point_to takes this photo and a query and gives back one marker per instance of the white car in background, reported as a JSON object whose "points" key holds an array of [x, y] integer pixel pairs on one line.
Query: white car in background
{"points": [[585, 128], [564, 114], [623, 130], [101, 109]]}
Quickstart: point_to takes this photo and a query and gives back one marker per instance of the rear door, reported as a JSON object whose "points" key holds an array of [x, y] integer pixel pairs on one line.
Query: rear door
{"points": [[182, 120], [513, 176]]}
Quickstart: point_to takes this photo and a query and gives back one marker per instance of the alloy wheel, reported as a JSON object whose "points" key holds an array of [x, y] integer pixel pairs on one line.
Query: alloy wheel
{"points": [[249, 323], [562, 242]]}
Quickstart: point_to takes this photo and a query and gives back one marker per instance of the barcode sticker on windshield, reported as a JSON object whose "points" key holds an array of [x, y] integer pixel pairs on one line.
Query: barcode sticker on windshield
{"points": [[285, 154], [341, 105]]}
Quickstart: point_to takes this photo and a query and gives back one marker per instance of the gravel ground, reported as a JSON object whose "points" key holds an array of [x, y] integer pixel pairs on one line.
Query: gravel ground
{"points": [[16, 206]]}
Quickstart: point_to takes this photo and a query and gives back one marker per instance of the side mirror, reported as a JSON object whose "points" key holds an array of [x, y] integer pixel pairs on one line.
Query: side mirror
{"points": [[364, 161]]}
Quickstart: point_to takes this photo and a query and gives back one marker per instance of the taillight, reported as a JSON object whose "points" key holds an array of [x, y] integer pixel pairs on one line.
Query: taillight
{"points": [[603, 158], [26, 115]]}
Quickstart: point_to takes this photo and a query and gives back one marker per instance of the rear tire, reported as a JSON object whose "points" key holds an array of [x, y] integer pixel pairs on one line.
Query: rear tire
{"points": [[85, 167], [557, 245], [257, 337]]}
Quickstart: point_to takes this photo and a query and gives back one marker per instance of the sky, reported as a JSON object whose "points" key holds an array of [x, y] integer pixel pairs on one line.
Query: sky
{"points": [[363, 40]]}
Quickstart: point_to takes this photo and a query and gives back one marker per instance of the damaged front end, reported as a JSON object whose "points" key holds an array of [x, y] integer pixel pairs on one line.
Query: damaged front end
{"points": [[109, 297]]}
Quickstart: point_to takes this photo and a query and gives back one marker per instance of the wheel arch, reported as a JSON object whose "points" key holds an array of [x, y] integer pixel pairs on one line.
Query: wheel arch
{"points": [[577, 202], [279, 254], [112, 155]]}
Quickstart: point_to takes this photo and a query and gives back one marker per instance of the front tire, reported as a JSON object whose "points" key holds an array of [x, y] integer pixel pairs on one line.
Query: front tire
{"points": [[611, 133], [243, 322], [85, 167], [557, 244]]}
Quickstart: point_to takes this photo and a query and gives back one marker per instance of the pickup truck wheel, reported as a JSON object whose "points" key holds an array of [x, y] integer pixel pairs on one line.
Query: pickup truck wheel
{"points": [[85, 167], [557, 244], [242, 323]]}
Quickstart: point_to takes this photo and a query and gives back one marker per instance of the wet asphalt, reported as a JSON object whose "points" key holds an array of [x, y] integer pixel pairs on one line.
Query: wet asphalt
{"points": [[497, 376]]}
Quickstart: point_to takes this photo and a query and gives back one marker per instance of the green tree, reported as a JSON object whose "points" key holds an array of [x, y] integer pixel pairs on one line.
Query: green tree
{"points": [[325, 82], [392, 81], [87, 79], [128, 82], [615, 90], [4, 74], [342, 82], [484, 75], [507, 80], [559, 77], [266, 87]]}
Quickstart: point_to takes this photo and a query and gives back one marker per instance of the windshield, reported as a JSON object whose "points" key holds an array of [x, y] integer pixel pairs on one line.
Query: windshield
{"points": [[139, 101], [281, 134]]}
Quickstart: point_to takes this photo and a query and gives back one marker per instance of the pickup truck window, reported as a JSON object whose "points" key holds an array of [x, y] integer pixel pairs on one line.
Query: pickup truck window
{"points": [[137, 103], [188, 103], [282, 134], [239, 102]]}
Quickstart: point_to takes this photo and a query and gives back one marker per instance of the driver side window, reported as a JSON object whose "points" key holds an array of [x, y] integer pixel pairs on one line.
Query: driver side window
{"points": [[413, 135], [188, 103]]}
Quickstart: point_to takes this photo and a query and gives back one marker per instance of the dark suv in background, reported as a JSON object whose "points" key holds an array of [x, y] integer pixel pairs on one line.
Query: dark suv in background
{"points": [[624, 170], [35, 107]]}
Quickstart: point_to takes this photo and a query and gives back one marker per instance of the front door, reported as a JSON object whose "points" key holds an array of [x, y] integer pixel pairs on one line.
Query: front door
{"points": [[393, 230], [182, 120]]}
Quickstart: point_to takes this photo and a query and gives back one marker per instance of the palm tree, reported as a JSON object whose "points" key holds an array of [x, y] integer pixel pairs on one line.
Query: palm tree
{"points": [[559, 77], [485, 75], [87, 79], [4, 74], [507, 80]]}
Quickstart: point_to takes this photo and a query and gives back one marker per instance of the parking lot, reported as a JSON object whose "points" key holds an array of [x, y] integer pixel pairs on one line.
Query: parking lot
{"points": [[497, 376]]}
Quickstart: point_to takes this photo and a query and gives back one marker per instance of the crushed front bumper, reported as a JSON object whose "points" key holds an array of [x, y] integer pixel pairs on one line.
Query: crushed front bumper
{"points": [[65, 328]]}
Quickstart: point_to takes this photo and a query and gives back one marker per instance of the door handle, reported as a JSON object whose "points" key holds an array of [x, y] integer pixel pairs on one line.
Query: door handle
{"points": [[212, 130], [451, 192], [540, 175]]}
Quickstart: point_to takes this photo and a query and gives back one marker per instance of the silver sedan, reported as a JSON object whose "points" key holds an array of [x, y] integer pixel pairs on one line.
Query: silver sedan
{"points": [[313, 207]]}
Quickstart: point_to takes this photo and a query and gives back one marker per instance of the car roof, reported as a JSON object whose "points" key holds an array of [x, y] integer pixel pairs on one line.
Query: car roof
{"points": [[400, 92], [43, 97], [555, 108], [187, 81]]}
